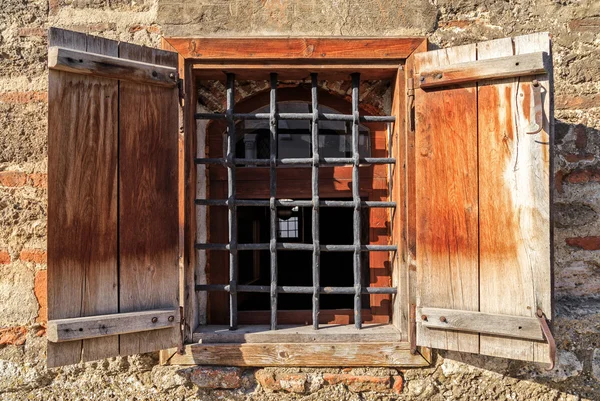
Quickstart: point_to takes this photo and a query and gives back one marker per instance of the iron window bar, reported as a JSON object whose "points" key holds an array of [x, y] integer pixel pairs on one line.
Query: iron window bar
{"points": [[296, 116], [303, 161], [293, 203], [315, 162], [296, 289], [294, 246]]}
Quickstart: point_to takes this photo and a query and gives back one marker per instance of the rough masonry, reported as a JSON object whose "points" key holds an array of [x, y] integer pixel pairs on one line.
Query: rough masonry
{"points": [[575, 27]]}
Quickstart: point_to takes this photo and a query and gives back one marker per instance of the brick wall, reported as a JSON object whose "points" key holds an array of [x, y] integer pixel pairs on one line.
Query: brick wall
{"points": [[575, 26]]}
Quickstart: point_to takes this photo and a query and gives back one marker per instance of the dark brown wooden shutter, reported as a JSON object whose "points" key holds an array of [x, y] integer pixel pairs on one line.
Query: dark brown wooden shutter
{"points": [[483, 197], [113, 271]]}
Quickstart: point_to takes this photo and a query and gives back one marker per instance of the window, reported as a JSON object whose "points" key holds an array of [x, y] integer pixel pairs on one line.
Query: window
{"points": [[428, 226], [308, 283]]}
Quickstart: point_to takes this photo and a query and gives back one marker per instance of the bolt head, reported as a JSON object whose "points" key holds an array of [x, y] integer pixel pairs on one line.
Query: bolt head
{"points": [[424, 317], [154, 319], [171, 318], [443, 319]]}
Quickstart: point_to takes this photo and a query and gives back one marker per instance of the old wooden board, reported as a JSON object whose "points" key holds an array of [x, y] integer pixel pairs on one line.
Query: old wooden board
{"points": [[105, 325], [513, 200], [493, 66], [446, 199], [297, 334], [148, 203], [295, 48], [90, 63], [82, 199], [294, 354]]}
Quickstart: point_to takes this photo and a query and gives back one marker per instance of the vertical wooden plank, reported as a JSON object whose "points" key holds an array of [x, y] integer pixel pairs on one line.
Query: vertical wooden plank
{"points": [[409, 234], [514, 201], [398, 195], [82, 199], [148, 200], [446, 199]]}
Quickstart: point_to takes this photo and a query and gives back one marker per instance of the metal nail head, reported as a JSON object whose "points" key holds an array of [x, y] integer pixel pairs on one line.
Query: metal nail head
{"points": [[443, 319], [154, 319]]}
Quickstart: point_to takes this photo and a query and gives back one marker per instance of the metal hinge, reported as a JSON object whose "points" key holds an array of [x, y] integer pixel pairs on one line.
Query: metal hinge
{"points": [[180, 88], [410, 94], [181, 348]]}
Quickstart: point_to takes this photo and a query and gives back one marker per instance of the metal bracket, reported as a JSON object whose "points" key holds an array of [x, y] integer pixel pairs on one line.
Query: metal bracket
{"points": [[410, 94], [181, 348], [549, 338], [536, 113]]}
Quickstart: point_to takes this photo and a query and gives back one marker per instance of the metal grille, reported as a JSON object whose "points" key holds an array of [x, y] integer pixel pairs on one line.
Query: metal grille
{"points": [[230, 162]]}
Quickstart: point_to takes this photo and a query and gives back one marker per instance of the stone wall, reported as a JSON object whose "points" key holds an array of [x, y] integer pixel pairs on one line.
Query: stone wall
{"points": [[575, 26]]}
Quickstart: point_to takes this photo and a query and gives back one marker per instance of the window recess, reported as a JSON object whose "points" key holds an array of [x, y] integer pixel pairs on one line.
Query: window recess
{"points": [[463, 219]]}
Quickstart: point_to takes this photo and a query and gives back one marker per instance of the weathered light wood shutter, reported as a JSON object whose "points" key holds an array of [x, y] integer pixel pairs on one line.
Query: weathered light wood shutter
{"points": [[112, 199], [483, 139]]}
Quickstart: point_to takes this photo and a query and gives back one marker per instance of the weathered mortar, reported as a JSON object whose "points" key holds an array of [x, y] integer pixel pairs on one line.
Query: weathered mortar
{"points": [[575, 26]]}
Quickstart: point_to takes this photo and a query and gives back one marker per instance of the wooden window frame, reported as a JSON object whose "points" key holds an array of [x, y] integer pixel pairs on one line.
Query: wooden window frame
{"points": [[332, 58]]}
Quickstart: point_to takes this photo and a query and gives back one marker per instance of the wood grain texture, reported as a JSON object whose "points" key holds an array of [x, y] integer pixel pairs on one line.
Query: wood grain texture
{"points": [[446, 199], [514, 200], [82, 199], [148, 200], [327, 70], [294, 354], [90, 63], [109, 325], [512, 173], [294, 334], [494, 67], [478, 322], [295, 48]]}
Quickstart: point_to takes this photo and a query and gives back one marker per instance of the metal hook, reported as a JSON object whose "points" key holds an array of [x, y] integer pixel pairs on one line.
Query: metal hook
{"points": [[549, 338], [536, 124]]}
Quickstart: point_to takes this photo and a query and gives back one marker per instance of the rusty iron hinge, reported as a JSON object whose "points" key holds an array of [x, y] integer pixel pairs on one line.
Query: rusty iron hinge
{"points": [[410, 94], [180, 88], [181, 348], [549, 337]]}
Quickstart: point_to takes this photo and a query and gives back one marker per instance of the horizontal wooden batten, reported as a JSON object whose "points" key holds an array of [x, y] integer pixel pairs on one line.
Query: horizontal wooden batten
{"points": [[472, 71], [333, 333], [297, 354], [478, 322], [81, 328], [295, 48], [86, 63], [299, 71]]}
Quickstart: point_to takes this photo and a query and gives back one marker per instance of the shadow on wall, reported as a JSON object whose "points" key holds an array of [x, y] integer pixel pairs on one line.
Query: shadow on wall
{"points": [[576, 273]]}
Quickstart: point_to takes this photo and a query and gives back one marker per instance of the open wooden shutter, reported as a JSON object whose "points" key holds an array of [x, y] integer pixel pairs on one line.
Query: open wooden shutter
{"points": [[112, 199], [483, 144]]}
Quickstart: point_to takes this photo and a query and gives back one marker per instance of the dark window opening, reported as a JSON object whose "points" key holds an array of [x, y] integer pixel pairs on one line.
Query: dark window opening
{"points": [[295, 267]]}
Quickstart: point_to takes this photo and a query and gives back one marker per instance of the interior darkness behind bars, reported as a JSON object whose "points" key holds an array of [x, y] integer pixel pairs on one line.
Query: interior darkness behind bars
{"points": [[316, 248], [295, 267]]}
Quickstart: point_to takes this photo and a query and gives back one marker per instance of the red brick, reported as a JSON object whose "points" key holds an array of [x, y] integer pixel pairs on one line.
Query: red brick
{"points": [[33, 255], [577, 102], [586, 243], [23, 97], [459, 23], [583, 175], [580, 137], [41, 293], [212, 378], [147, 28], [290, 382], [13, 335], [558, 181], [4, 258], [12, 178], [591, 24], [39, 180], [359, 384], [398, 384], [574, 158], [33, 31]]}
